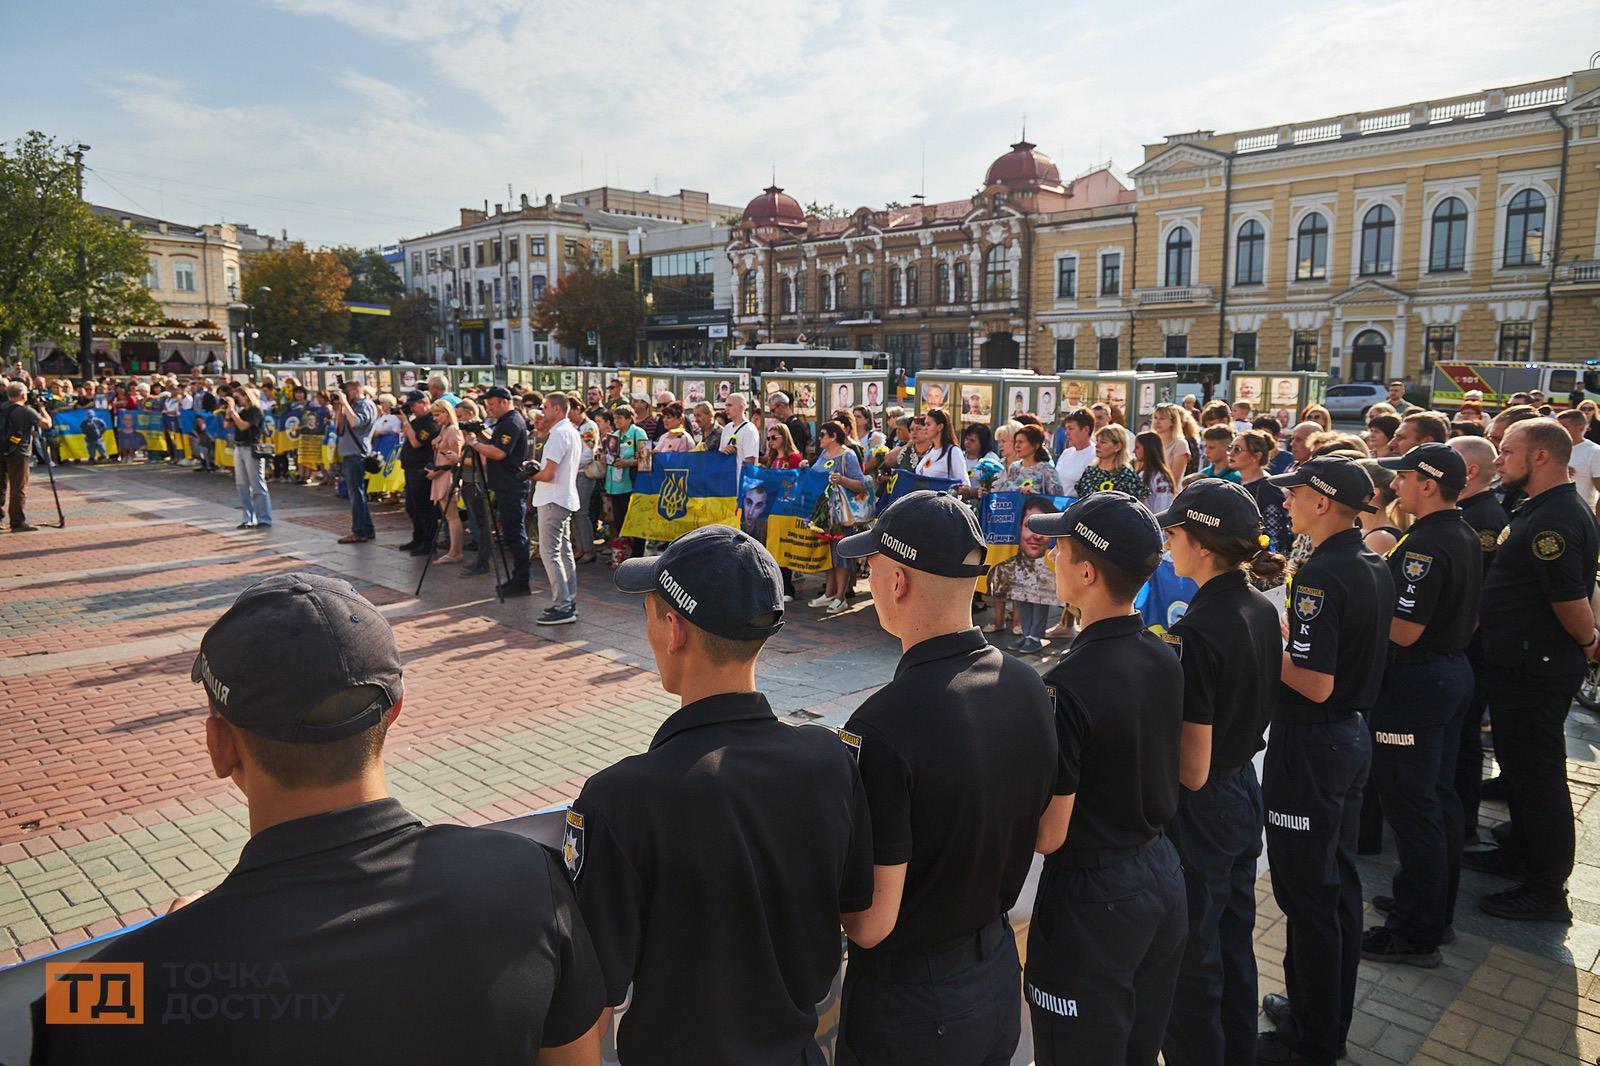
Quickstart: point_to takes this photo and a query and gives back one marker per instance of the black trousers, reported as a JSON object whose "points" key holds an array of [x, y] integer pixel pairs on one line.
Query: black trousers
{"points": [[1314, 774], [508, 506], [14, 486], [1469, 752], [970, 1018], [1104, 952], [1530, 714], [1417, 727], [1217, 832], [421, 509]]}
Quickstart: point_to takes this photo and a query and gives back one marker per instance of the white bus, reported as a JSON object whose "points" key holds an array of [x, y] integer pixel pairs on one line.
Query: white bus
{"points": [[1195, 374], [777, 358]]}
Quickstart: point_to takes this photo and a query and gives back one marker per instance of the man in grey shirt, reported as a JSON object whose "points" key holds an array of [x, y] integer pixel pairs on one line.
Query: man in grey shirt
{"points": [[353, 417]]}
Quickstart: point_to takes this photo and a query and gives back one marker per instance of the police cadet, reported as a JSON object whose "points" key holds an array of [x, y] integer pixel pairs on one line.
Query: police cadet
{"points": [[1437, 571], [1538, 630], [1482, 511], [503, 454], [1109, 920], [416, 452], [713, 868], [1339, 606], [348, 931], [957, 755], [1231, 649]]}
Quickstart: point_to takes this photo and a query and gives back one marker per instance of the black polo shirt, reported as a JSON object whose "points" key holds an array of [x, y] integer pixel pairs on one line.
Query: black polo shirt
{"points": [[510, 435], [800, 430], [958, 754], [1339, 605], [1231, 649], [1119, 728], [358, 935], [712, 870], [1487, 518], [1546, 555], [1438, 576], [418, 455]]}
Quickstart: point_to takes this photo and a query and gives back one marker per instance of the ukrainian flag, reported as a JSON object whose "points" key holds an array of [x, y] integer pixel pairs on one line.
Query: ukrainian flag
{"points": [[775, 507], [391, 478], [684, 491], [67, 427], [904, 482]]}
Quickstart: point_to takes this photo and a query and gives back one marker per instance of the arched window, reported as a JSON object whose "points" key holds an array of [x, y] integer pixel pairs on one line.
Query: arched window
{"points": [[1525, 229], [910, 287], [1447, 248], [786, 293], [961, 289], [825, 291], [897, 296], [866, 290], [838, 291], [1377, 241], [941, 280], [1249, 254], [1311, 248], [1180, 256], [747, 294], [997, 273]]}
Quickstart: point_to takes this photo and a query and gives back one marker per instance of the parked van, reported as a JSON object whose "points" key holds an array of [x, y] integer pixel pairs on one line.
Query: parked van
{"points": [[1498, 382], [1196, 374]]}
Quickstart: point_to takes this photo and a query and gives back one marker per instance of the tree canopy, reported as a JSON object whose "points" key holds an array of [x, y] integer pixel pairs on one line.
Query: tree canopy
{"points": [[305, 304], [586, 299]]}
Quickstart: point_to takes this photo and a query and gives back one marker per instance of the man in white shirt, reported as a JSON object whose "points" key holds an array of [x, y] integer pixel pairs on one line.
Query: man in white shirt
{"points": [[1585, 462], [739, 436], [555, 501], [1079, 452]]}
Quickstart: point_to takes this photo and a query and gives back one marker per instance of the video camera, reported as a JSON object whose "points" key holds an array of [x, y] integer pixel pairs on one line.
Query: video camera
{"points": [[530, 469]]}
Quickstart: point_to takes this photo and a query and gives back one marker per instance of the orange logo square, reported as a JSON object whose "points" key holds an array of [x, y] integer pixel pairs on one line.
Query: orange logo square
{"points": [[94, 993]]}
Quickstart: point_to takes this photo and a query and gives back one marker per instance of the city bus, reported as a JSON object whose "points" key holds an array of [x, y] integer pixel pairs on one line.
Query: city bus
{"points": [[1206, 378], [776, 358]]}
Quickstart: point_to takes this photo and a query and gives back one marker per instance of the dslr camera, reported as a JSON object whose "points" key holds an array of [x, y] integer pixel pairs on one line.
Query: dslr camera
{"points": [[530, 469], [473, 427]]}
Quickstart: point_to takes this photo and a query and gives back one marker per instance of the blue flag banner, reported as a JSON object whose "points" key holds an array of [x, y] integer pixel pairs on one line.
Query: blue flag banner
{"points": [[1000, 513], [1165, 597], [391, 478], [682, 492], [903, 482], [83, 433], [775, 507]]}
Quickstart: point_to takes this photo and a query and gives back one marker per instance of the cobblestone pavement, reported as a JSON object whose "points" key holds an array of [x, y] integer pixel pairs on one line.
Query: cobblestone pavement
{"points": [[108, 809]]}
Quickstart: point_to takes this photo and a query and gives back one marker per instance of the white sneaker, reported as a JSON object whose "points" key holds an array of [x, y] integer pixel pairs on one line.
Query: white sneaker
{"points": [[837, 606], [821, 601], [787, 598]]}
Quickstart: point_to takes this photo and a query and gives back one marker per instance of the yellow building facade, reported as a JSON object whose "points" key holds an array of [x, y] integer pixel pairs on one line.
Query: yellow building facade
{"points": [[1367, 245]]}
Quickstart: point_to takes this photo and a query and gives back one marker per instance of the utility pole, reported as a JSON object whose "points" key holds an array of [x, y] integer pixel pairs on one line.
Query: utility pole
{"points": [[85, 328]]}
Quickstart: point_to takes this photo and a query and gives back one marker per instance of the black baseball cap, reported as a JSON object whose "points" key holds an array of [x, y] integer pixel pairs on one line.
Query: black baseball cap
{"points": [[1212, 503], [718, 577], [1114, 524], [1341, 480], [417, 396], [346, 668], [497, 392], [925, 530], [1438, 461]]}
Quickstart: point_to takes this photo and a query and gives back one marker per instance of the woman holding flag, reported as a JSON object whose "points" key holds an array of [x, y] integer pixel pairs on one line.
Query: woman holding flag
{"points": [[844, 472]]}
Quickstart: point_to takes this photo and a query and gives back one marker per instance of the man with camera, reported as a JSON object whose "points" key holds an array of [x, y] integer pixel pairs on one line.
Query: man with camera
{"points": [[353, 418], [416, 455], [18, 423], [502, 447]]}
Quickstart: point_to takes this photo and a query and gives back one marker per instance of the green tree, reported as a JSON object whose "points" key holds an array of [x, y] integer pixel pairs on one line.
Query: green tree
{"points": [[409, 331], [57, 257], [371, 281], [305, 304], [584, 300], [823, 210]]}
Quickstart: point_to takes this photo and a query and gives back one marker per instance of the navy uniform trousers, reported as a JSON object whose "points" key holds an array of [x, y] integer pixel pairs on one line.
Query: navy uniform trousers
{"points": [[1103, 955], [1529, 711], [1218, 836], [1314, 773], [1417, 728]]}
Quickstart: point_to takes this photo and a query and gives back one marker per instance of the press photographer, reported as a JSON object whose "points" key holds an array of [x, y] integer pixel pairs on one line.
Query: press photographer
{"points": [[416, 454], [353, 418], [503, 447], [19, 421]]}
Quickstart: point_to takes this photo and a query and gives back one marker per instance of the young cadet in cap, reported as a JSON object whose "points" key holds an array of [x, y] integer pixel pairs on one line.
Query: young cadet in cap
{"points": [[1438, 575], [957, 754], [1339, 605], [347, 931], [1538, 631], [714, 867], [1109, 920], [1231, 649]]}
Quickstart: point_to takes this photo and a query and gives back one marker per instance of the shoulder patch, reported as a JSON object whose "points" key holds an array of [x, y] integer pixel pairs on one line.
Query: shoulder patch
{"points": [[1548, 545], [1505, 534], [1415, 565], [1307, 603], [852, 742], [1050, 690], [572, 844], [505, 438], [1175, 642], [1489, 540]]}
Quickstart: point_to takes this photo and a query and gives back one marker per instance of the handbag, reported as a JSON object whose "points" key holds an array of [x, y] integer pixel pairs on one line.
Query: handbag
{"points": [[595, 469], [264, 449]]}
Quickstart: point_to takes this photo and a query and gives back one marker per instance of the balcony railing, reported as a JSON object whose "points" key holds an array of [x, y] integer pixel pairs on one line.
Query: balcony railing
{"points": [[1578, 272], [1174, 294]]}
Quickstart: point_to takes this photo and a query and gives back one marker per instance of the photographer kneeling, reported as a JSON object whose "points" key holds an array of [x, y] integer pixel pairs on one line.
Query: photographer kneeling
{"points": [[503, 453]]}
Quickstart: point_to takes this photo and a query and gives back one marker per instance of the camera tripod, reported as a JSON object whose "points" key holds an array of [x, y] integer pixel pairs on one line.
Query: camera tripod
{"points": [[470, 470]]}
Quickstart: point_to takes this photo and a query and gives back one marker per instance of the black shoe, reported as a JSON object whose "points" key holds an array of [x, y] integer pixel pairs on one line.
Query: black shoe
{"points": [[1496, 861], [1385, 945], [1525, 903], [245, 525], [1385, 905], [1500, 834], [513, 588], [1270, 1047], [24, 528], [558, 616], [420, 551], [1494, 789], [1275, 1007], [407, 546]]}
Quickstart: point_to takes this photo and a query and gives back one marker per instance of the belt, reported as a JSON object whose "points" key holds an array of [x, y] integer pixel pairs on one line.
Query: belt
{"points": [[1094, 858], [1414, 656], [926, 967], [1312, 715]]}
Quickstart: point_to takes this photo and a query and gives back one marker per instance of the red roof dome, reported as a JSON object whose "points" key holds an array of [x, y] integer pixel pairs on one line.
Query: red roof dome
{"points": [[1023, 166], [774, 207]]}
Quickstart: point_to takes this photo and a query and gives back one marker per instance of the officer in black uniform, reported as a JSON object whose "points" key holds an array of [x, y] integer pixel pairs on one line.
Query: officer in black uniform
{"points": [[1437, 570], [713, 869], [1231, 649], [1538, 630], [1339, 606], [348, 932], [503, 454], [416, 452], [957, 754], [1110, 918], [1482, 511]]}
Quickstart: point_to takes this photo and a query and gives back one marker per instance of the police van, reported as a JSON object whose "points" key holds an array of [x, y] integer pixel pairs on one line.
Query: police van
{"points": [[1454, 378]]}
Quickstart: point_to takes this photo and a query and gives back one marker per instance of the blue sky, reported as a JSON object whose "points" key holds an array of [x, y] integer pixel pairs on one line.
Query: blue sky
{"points": [[362, 121]]}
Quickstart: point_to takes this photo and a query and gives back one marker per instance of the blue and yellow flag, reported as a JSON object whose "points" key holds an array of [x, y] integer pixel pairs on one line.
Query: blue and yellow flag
{"points": [[391, 478], [904, 482], [684, 491], [1001, 516], [144, 427], [775, 507], [72, 428], [1165, 597]]}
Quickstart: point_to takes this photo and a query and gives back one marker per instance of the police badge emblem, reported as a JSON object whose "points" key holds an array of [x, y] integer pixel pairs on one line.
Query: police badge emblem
{"points": [[1307, 603], [1548, 546], [1488, 539], [1416, 566], [572, 844], [852, 741], [1174, 642]]}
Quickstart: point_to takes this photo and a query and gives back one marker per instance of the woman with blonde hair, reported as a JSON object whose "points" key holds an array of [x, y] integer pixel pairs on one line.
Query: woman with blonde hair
{"points": [[446, 454], [1317, 413], [1112, 468], [1167, 422]]}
